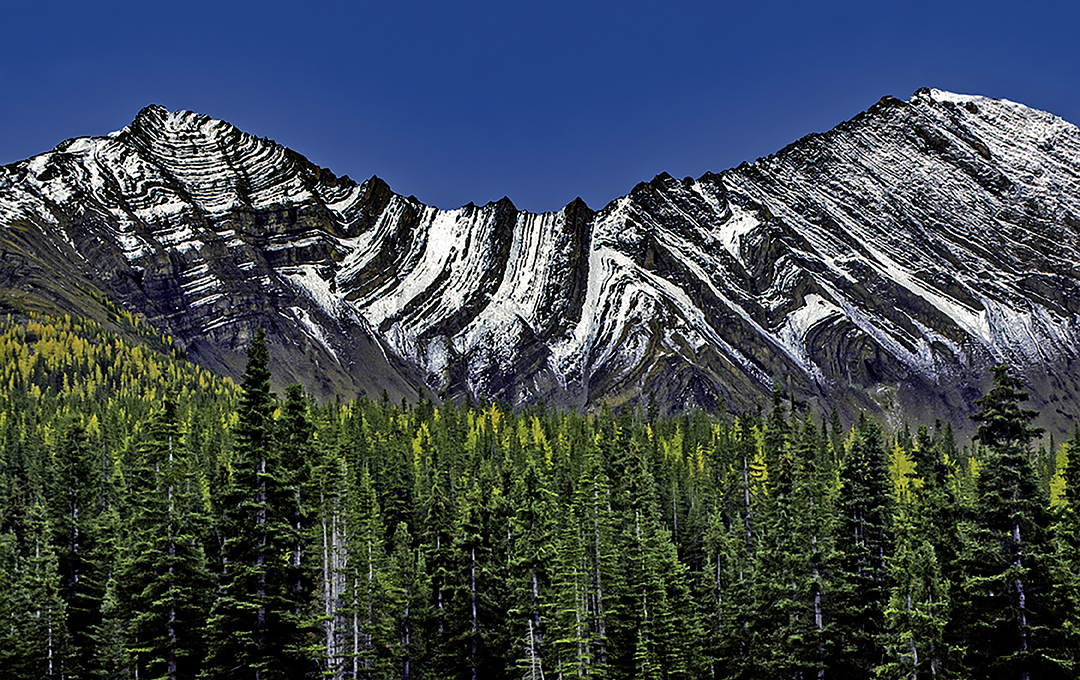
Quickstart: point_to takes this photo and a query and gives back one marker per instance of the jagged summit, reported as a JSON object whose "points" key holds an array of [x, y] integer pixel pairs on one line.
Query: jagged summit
{"points": [[883, 264]]}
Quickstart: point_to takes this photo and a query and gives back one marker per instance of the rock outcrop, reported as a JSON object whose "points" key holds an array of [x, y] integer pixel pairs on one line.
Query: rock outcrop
{"points": [[882, 265]]}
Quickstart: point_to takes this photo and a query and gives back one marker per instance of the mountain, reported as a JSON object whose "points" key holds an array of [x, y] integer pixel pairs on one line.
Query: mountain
{"points": [[881, 265]]}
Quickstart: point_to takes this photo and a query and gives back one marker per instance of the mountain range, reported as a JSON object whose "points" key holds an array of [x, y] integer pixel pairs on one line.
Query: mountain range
{"points": [[881, 266]]}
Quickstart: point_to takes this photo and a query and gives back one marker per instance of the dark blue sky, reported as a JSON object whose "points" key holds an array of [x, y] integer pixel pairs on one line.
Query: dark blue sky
{"points": [[469, 101]]}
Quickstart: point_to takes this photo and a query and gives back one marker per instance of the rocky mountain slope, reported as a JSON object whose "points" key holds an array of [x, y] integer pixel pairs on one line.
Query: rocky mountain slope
{"points": [[882, 265]]}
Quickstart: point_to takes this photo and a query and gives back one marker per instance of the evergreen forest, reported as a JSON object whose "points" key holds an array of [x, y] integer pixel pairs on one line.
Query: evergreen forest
{"points": [[157, 521]]}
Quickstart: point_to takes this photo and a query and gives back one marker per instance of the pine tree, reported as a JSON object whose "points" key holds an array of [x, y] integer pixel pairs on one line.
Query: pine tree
{"points": [[919, 605], [165, 577], [532, 562], [1067, 562], [1007, 612], [863, 544], [255, 631], [408, 610], [366, 588], [43, 647]]}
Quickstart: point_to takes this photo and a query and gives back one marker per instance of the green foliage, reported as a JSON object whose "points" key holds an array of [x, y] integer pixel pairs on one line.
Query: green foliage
{"points": [[864, 542], [160, 522], [1009, 616], [256, 623], [162, 578]]}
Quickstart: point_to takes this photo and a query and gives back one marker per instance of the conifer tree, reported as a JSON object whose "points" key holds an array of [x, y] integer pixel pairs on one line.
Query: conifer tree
{"points": [[532, 561], [570, 639], [74, 496], [477, 621], [366, 587], [297, 459], [586, 577], [43, 646], [408, 593], [332, 477], [164, 578], [1007, 613], [8, 606], [863, 544], [786, 619], [1067, 562], [725, 601], [919, 607], [775, 605], [442, 559], [654, 586], [254, 628]]}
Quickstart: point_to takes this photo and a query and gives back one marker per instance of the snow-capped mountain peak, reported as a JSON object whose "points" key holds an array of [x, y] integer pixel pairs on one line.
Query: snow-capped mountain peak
{"points": [[883, 264]]}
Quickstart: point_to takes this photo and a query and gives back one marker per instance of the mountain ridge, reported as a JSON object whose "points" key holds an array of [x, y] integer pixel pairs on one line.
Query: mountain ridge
{"points": [[882, 265]]}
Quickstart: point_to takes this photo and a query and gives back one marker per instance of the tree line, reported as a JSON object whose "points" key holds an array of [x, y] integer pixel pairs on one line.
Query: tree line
{"points": [[208, 530]]}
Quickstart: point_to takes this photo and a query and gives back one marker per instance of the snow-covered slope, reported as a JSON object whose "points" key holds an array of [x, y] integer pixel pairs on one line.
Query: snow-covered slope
{"points": [[883, 264]]}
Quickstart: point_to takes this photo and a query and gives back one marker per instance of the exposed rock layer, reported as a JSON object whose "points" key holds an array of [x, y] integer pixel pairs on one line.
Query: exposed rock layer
{"points": [[882, 265]]}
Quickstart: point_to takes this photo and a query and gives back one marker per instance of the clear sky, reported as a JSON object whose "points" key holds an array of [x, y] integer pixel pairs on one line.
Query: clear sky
{"points": [[540, 101]]}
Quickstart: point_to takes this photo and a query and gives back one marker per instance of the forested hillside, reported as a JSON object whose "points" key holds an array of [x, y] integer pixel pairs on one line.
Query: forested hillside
{"points": [[159, 522]]}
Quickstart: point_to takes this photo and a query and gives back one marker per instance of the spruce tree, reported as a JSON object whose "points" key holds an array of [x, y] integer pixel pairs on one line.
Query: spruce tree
{"points": [[164, 577], [297, 460], [477, 616], [1067, 562], [255, 631], [43, 645], [75, 504], [408, 610], [785, 624], [442, 559], [587, 580], [658, 633], [1007, 611], [332, 475], [369, 636], [569, 632], [532, 563], [863, 544], [919, 606]]}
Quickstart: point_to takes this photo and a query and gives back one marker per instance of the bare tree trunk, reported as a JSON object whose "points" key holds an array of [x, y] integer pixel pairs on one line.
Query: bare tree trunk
{"points": [[580, 603], [49, 653], [933, 651], [819, 622], [601, 628], [172, 559], [472, 589], [339, 586], [328, 606], [355, 633], [370, 605], [260, 560], [1022, 609], [746, 496], [407, 624], [674, 514], [912, 647], [439, 588], [534, 624]]}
